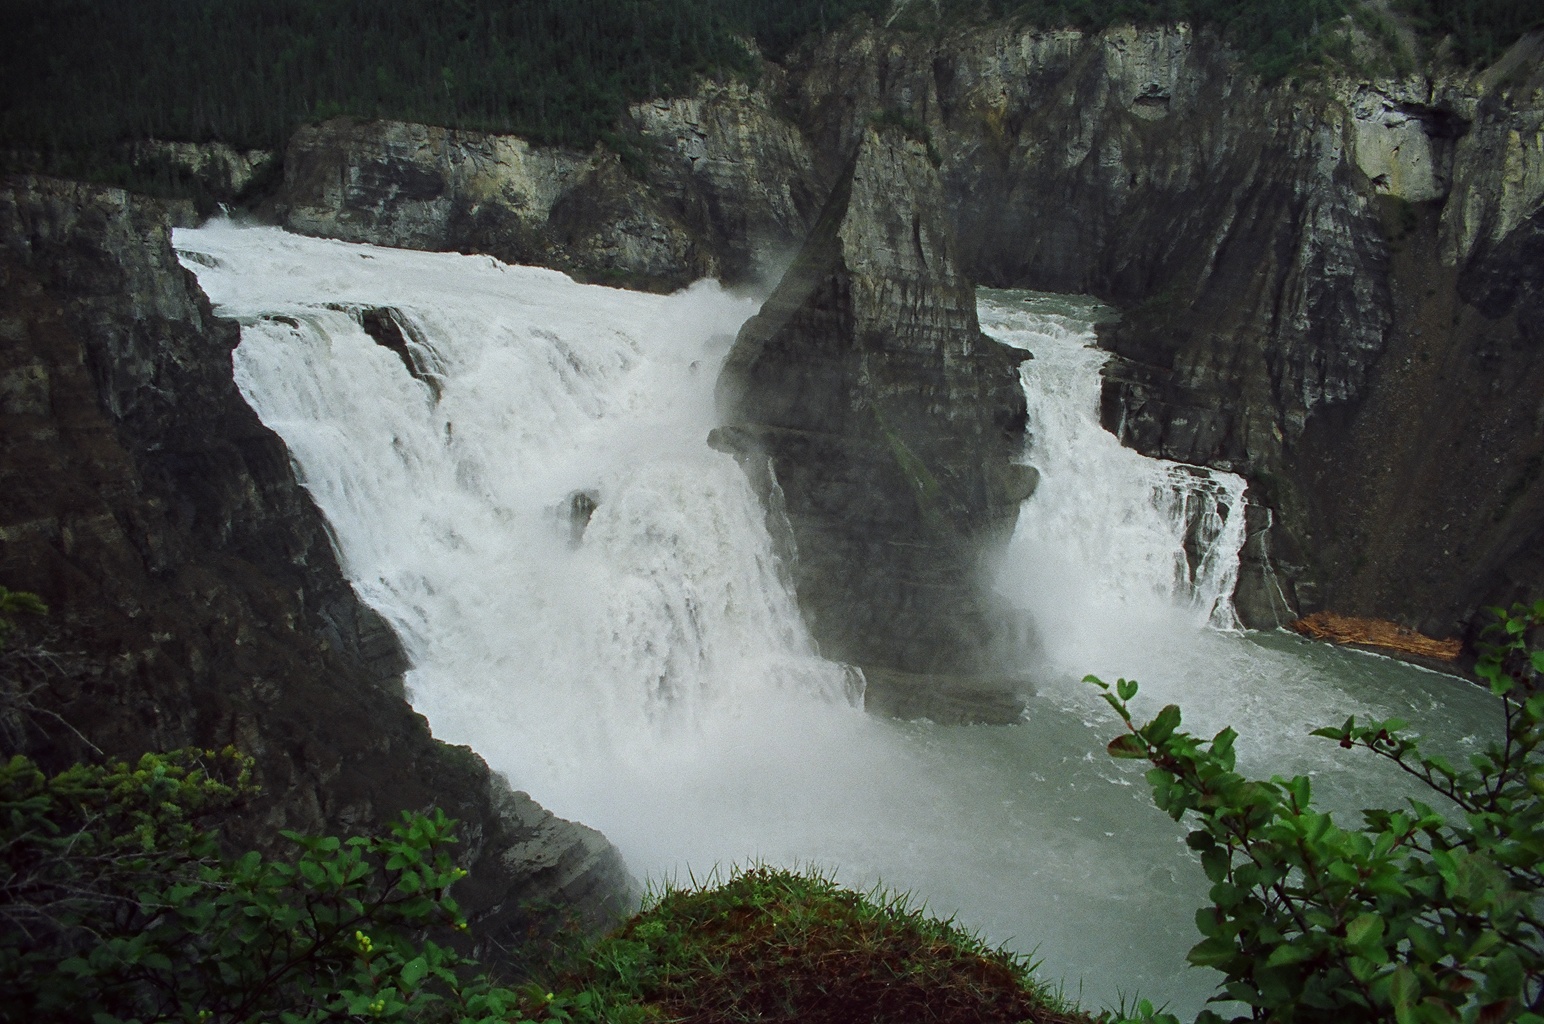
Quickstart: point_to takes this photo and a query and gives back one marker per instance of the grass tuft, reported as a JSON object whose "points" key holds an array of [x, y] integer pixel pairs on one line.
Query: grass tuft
{"points": [[771, 944]]}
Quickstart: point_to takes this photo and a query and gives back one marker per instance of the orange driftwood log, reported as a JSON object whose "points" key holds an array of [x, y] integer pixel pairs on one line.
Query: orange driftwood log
{"points": [[1345, 629]]}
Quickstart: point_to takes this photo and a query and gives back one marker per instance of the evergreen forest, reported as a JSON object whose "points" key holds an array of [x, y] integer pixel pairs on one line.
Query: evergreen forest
{"points": [[81, 77]]}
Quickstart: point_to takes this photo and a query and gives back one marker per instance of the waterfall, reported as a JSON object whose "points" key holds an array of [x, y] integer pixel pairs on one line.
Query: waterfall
{"points": [[514, 470], [524, 490], [1110, 535]]}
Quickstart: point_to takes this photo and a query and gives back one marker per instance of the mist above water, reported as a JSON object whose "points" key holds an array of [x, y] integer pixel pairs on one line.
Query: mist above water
{"points": [[646, 672]]}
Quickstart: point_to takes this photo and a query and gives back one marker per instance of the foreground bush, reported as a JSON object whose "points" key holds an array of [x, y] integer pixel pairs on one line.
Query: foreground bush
{"points": [[116, 905], [1420, 916]]}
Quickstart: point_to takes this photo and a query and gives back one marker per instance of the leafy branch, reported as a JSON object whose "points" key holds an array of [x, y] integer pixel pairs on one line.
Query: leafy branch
{"points": [[117, 905], [1416, 916]]}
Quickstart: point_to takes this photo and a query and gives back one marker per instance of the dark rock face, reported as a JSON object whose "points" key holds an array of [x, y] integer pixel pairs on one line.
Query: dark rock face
{"points": [[1137, 166], [1383, 397], [1423, 501], [191, 581], [213, 171], [719, 187], [397, 335], [1305, 302], [889, 420]]}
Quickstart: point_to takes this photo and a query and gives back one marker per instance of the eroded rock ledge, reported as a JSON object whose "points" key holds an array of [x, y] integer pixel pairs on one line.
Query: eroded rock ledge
{"points": [[191, 580]]}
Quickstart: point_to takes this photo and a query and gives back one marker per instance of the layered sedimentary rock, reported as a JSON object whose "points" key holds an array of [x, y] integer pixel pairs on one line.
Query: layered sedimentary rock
{"points": [[889, 422], [1142, 167], [739, 174], [194, 595], [1382, 398], [712, 184], [218, 173]]}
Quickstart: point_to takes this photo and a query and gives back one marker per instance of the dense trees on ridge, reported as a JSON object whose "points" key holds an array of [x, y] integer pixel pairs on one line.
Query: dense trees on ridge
{"points": [[81, 76], [87, 72]]}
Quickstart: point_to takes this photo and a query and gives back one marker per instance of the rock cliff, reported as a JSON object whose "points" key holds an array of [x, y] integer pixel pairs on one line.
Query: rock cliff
{"points": [[1312, 274], [194, 594], [213, 172], [1330, 283], [889, 420], [1347, 334], [708, 185]]}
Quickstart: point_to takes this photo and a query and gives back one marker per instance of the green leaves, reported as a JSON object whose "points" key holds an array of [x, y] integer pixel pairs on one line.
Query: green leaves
{"points": [[1286, 955], [1364, 937], [17, 601], [1163, 726], [1415, 916], [1214, 952], [124, 910], [413, 971], [1128, 746]]}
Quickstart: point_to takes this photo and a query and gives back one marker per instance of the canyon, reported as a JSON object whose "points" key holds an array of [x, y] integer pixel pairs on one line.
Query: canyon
{"points": [[1330, 284]]}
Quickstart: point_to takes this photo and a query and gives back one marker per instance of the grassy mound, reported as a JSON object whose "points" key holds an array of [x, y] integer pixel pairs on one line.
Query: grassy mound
{"points": [[776, 945]]}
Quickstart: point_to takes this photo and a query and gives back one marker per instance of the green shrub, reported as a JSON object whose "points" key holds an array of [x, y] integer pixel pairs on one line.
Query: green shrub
{"points": [[1418, 916], [118, 906], [13, 602]]}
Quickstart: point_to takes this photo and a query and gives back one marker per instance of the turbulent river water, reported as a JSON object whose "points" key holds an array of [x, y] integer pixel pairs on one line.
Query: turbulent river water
{"points": [[647, 672]]}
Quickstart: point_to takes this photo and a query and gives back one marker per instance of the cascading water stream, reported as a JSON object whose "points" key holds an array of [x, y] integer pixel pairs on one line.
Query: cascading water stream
{"points": [[1108, 527], [590, 599]]}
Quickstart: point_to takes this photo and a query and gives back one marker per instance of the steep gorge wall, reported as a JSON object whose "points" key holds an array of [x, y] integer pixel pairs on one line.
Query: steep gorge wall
{"points": [[1305, 304], [1330, 284], [193, 590]]}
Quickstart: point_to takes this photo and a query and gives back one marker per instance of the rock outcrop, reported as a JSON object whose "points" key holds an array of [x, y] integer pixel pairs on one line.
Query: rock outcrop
{"points": [[890, 423], [1379, 387], [420, 187], [739, 174], [710, 185], [1142, 167], [194, 594], [217, 172]]}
